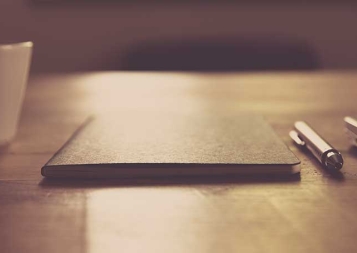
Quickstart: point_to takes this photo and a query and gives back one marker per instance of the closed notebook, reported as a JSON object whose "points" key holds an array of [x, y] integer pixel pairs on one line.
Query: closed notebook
{"points": [[162, 144]]}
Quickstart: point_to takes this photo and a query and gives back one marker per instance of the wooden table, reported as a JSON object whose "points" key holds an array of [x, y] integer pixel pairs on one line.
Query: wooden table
{"points": [[316, 212]]}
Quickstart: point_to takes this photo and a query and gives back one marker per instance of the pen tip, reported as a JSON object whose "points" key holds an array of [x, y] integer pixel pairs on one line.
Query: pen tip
{"points": [[334, 161], [338, 166]]}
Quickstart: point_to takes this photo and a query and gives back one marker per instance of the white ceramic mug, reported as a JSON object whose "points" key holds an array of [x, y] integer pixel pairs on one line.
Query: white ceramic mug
{"points": [[15, 62]]}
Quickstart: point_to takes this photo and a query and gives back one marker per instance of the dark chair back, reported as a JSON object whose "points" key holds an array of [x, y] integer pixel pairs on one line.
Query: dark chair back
{"points": [[221, 54]]}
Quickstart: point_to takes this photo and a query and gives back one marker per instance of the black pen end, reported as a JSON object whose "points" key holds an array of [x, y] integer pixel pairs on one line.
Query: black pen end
{"points": [[334, 161]]}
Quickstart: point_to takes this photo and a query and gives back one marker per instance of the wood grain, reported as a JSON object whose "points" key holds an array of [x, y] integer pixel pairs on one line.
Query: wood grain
{"points": [[315, 212]]}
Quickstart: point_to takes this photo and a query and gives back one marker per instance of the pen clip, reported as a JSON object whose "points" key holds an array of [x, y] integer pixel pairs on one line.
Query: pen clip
{"points": [[295, 136]]}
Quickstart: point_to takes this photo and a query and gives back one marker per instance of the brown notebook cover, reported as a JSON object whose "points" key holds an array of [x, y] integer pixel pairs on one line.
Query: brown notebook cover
{"points": [[145, 145]]}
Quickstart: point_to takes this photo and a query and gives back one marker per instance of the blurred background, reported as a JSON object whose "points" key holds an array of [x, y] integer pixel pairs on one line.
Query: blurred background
{"points": [[154, 35]]}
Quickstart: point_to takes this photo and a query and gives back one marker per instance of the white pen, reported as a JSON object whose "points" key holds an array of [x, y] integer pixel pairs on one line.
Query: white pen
{"points": [[305, 136], [351, 129]]}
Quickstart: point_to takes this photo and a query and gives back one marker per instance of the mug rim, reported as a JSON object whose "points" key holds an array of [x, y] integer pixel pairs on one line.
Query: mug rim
{"points": [[16, 45]]}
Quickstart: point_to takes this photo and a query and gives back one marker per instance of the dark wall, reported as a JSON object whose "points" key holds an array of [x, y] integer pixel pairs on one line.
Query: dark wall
{"points": [[79, 37]]}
